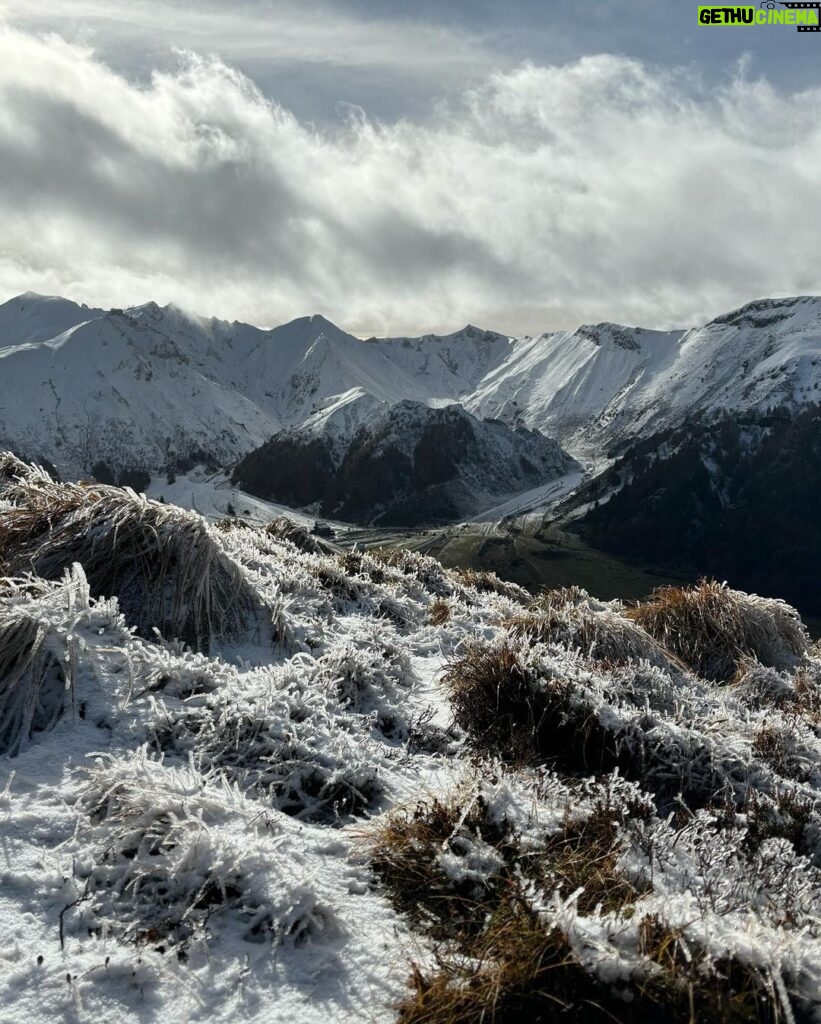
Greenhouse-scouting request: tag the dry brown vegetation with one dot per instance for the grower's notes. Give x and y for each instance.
(489, 583)
(439, 612)
(571, 618)
(713, 628)
(520, 970)
(161, 562)
(285, 528)
(32, 680)
(507, 711)
(404, 855)
(497, 957)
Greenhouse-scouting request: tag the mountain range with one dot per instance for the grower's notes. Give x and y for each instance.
(154, 389)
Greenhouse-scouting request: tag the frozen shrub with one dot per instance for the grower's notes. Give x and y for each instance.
(285, 528)
(229, 523)
(16, 474)
(396, 612)
(490, 583)
(445, 862)
(278, 742)
(511, 709)
(32, 680)
(540, 706)
(371, 682)
(712, 628)
(36, 669)
(173, 857)
(336, 582)
(538, 921)
(161, 562)
(426, 570)
(571, 618)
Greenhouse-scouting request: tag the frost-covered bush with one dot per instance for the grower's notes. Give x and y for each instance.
(33, 683)
(15, 474)
(580, 898)
(598, 630)
(40, 645)
(162, 563)
(285, 528)
(490, 583)
(371, 679)
(278, 738)
(172, 855)
(424, 569)
(678, 737)
(713, 628)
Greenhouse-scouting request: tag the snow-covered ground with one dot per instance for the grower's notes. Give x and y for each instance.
(214, 496)
(338, 721)
(534, 502)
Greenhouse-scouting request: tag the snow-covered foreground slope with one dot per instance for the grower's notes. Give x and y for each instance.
(157, 868)
(153, 387)
(229, 832)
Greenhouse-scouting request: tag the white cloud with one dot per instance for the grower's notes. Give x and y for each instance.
(547, 195)
(289, 31)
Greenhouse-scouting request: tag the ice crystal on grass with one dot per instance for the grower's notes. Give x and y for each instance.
(174, 854)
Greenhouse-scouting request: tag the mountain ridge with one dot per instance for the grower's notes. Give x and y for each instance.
(153, 387)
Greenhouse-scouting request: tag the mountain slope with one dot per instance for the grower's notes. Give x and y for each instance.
(572, 384)
(143, 389)
(404, 464)
(736, 498)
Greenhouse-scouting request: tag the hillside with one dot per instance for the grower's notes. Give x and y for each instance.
(734, 497)
(362, 787)
(405, 464)
(598, 388)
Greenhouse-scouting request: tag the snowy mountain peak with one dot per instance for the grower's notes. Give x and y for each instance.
(31, 318)
(615, 334)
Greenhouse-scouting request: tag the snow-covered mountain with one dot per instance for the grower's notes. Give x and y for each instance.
(603, 384)
(151, 387)
(403, 464)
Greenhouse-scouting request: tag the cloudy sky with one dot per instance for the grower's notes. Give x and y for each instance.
(521, 164)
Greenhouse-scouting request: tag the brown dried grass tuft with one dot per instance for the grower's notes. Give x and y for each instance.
(161, 562)
(439, 612)
(712, 628)
(507, 713)
(285, 528)
(571, 618)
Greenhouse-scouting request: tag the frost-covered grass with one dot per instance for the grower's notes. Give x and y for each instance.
(421, 797)
(166, 568)
(713, 628)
